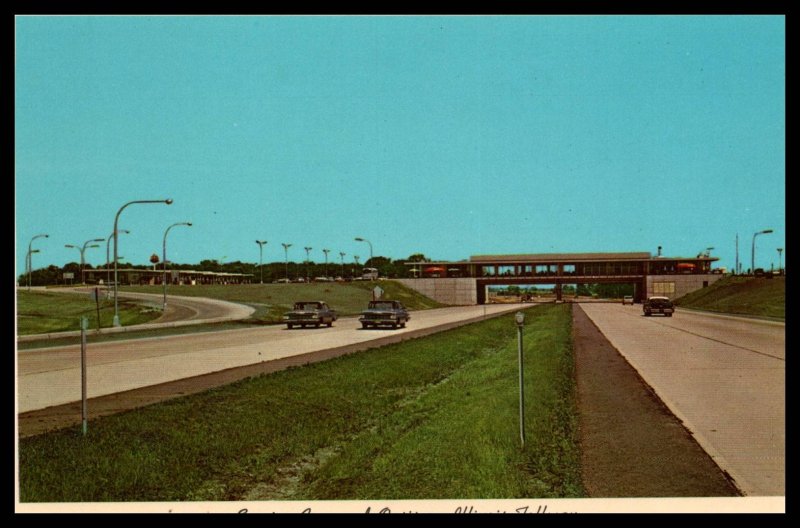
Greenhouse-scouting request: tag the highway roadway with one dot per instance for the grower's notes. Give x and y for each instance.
(51, 376)
(724, 377)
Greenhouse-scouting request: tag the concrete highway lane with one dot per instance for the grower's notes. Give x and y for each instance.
(724, 377)
(51, 376)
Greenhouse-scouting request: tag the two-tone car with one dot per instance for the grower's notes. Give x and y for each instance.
(384, 313)
(658, 305)
(310, 313)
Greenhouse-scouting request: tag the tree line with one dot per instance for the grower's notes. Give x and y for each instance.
(272, 271)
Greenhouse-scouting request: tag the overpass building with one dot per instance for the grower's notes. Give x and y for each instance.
(466, 282)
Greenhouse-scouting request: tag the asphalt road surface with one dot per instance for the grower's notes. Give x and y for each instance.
(51, 376)
(724, 377)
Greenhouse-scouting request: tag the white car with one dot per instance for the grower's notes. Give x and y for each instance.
(628, 299)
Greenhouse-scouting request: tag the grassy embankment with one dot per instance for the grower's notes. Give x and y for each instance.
(742, 296)
(40, 312)
(429, 418)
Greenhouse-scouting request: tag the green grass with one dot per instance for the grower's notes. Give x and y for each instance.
(273, 300)
(429, 418)
(40, 312)
(741, 295)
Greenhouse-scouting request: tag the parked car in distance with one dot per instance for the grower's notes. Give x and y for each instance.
(660, 305)
(323, 279)
(628, 299)
(383, 313)
(310, 313)
(281, 281)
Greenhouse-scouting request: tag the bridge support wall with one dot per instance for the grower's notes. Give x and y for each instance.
(674, 286)
(458, 292)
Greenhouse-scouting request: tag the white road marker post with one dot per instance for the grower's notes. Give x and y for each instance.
(84, 409)
(520, 318)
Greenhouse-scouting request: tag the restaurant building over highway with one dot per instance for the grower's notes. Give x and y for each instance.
(466, 282)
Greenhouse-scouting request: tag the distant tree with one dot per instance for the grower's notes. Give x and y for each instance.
(209, 265)
(418, 257)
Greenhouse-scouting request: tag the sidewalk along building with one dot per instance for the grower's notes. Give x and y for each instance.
(466, 282)
(177, 276)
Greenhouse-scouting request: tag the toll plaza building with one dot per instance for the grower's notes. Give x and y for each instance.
(467, 282)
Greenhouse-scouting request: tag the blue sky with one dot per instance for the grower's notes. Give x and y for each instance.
(449, 136)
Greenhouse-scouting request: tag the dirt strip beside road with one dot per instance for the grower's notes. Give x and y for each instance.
(632, 445)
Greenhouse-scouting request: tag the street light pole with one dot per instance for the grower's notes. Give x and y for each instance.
(286, 257)
(308, 249)
(29, 264)
(359, 239)
(342, 254)
(261, 258)
(780, 254)
(753, 250)
(168, 201)
(326, 251)
(520, 319)
(29, 258)
(164, 258)
(82, 250)
(108, 257)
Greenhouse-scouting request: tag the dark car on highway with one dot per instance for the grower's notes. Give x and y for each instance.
(660, 305)
(386, 313)
(310, 313)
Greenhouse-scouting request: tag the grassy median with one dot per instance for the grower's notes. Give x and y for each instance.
(434, 417)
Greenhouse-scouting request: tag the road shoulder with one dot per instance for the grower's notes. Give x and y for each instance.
(632, 445)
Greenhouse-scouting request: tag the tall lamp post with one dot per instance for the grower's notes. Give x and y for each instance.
(164, 257)
(261, 258)
(29, 259)
(359, 239)
(83, 251)
(308, 249)
(753, 250)
(520, 320)
(286, 257)
(326, 251)
(108, 257)
(168, 201)
(355, 258)
(780, 267)
(342, 254)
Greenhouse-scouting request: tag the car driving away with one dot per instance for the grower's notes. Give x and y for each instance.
(628, 299)
(310, 313)
(660, 305)
(384, 313)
